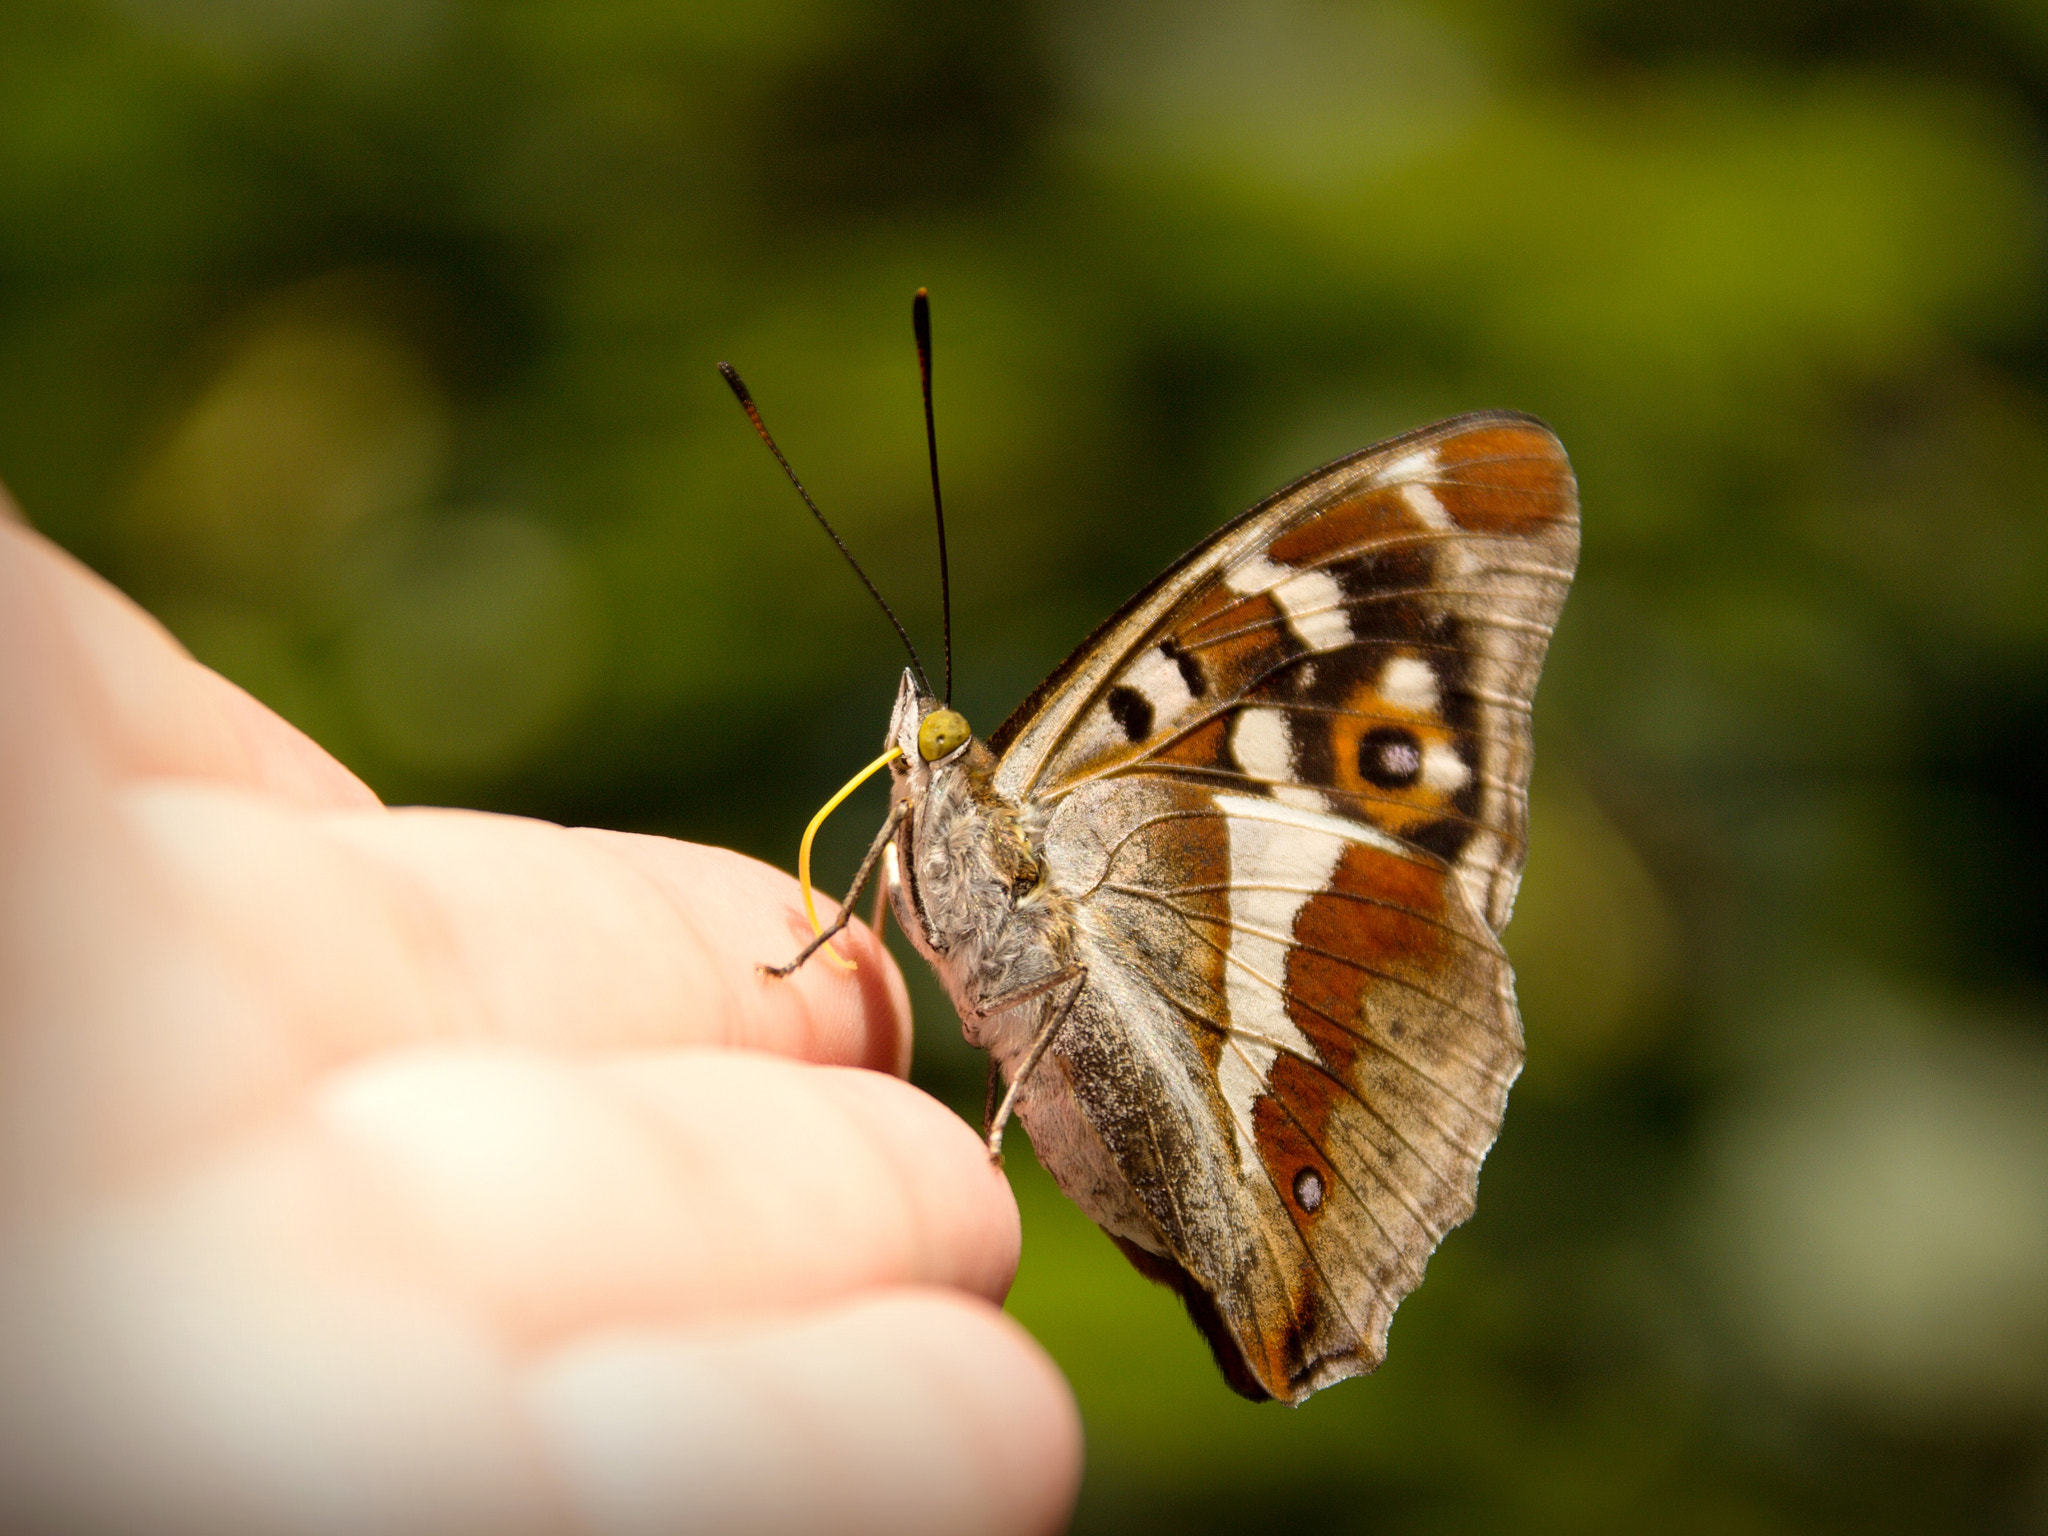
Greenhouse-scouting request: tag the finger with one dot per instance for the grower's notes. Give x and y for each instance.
(374, 928)
(898, 1413)
(552, 1196)
(162, 712)
(609, 938)
(756, 918)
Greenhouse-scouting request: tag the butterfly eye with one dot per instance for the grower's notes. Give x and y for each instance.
(942, 731)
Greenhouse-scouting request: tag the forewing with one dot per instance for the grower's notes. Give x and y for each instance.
(1366, 642)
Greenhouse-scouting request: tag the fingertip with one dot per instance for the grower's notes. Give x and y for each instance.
(866, 993)
(878, 982)
(748, 915)
(1001, 1382)
(938, 1154)
(828, 1178)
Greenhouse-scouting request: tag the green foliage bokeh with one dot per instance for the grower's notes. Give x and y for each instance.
(369, 343)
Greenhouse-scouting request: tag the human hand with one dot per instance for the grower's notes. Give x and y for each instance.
(417, 1170)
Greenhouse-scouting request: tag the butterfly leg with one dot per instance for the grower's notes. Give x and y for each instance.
(1074, 978)
(861, 877)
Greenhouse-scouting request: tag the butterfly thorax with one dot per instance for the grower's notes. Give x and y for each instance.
(971, 889)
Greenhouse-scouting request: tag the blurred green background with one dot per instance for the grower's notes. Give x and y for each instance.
(370, 344)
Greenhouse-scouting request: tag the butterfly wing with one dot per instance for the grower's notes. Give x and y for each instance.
(1286, 787)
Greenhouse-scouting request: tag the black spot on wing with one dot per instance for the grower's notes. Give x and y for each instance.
(1446, 839)
(1132, 711)
(1389, 757)
(1190, 668)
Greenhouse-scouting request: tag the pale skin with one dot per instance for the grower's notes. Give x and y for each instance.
(417, 1170)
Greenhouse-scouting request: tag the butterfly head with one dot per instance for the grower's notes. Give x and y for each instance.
(925, 730)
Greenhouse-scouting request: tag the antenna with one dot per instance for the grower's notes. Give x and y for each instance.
(746, 400)
(921, 323)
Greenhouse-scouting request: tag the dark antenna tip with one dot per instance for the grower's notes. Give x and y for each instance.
(921, 325)
(732, 378)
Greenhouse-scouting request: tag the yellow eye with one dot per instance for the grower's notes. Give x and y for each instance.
(943, 731)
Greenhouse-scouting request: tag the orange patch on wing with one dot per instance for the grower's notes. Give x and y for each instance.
(1206, 747)
(1380, 921)
(1188, 858)
(1279, 1353)
(1191, 850)
(1233, 638)
(1503, 480)
(1344, 529)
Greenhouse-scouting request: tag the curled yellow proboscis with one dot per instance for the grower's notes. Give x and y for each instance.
(803, 852)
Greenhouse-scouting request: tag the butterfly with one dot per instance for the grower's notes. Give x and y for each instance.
(1223, 898)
